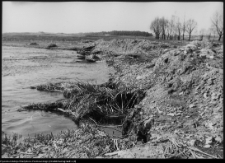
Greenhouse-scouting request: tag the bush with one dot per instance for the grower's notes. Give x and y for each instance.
(33, 43)
(52, 45)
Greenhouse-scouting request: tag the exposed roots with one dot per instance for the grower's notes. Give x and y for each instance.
(106, 103)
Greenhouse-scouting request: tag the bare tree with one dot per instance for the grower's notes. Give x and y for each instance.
(209, 33)
(171, 28)
(163, 25)
(212, 32)
(201, 34)
(217, 23)
(209, 36)
(178, 28)
(155, 26)
(190, 26)
(183, 27)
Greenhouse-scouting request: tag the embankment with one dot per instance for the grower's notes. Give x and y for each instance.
(170, 97)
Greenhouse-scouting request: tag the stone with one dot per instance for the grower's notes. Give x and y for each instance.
(205, 95)
(192, 105)
(192, 142)
(218, 139)
(208, 53)
(207, 146)
(166, 50)
(214, 96)
(208, 140)
(171, 114)
(181, 93)
(210, 56)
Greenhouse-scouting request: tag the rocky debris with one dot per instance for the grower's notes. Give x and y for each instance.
(87, 55)
(208, 53)
(128, 46)
(145, 151)
(92, 58)
(86, 50)
(184, 90)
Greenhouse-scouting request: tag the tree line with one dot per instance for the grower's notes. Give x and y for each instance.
(120, 33)
(175, 28)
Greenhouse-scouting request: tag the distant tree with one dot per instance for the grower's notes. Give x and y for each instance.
(172, 27)
(210, 32)
(163, 26)
(201, 33)
(213, 32)
(178, 28)
(217, 24)
(155, 26)
(183, 27)
(169, 29)
(191, 24)
(120, 33)
(209, 36)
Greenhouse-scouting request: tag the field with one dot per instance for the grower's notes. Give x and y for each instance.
(73, 41)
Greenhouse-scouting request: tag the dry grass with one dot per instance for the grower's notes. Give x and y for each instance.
(105, 103)
(84, 142)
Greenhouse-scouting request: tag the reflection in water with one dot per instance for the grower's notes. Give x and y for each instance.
(25, 67)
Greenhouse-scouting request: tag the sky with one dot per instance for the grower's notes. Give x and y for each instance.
(81, 17)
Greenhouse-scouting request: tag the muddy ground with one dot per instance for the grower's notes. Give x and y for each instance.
(179, 115)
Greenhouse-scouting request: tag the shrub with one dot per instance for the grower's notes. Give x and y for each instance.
(52, 45)
(33, 43)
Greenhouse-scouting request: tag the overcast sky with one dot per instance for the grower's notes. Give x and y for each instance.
(76, 17)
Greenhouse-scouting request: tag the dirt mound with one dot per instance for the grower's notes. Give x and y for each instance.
(128, 46)
(189, 81)
(184, 92)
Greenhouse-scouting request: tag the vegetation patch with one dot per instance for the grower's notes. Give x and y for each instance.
(52, 45)
(85, 142)
(33, 43)
(105, 104)
(54, 87)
